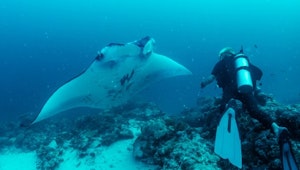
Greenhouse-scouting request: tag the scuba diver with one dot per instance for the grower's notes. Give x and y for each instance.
(237, 77)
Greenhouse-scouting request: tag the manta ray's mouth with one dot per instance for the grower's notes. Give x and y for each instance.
(118, 72)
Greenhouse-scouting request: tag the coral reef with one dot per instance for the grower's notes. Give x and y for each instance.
(183, 141)
(179, 142)
(80, 133)
(49, 156)
(174, 145)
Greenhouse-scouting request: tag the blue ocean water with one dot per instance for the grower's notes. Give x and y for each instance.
(45, 43)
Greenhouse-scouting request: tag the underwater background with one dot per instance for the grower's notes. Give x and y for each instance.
(45, 43)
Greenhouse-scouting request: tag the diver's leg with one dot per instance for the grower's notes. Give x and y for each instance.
(251, 105)
(287, 156)
(225, 98)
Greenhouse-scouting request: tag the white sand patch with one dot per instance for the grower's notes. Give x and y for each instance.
(13, 159)
(117, 156)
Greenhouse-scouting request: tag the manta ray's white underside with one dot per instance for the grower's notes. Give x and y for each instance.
(118, 72)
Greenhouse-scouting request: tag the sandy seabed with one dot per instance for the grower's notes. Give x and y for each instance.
(117, 156)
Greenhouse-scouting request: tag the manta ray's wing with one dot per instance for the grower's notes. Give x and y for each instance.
(118, 72)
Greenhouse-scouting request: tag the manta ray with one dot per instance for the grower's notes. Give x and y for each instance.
(118, 72)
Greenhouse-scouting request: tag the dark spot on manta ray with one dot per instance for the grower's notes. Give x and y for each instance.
(126, 77)
(110, 64)
(87, 99)
(111, 92)
(123, 79)
(131, 74)
(116, 94)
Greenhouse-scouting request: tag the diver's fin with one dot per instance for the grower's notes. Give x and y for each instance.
(228, 143)
(287, 157)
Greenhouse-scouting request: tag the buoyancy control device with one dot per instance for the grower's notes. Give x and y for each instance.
(243, 75)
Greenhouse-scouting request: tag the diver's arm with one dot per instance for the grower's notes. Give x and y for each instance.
(207, 81)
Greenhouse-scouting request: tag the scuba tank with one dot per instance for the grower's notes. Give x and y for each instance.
(243, 75)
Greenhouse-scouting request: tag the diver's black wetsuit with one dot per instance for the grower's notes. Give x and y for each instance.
(225, 74)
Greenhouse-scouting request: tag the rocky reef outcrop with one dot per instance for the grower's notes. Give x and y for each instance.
(173, 144)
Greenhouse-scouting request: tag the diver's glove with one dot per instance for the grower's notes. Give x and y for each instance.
(279, 130)
(260, 96)
(288, 160)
